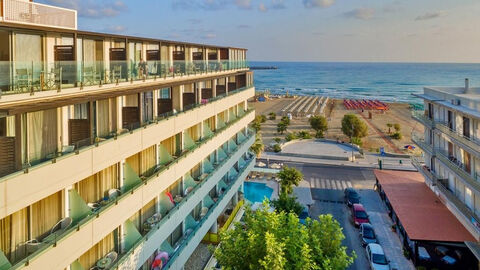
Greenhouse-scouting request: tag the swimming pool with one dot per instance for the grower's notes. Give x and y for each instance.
(256, 192)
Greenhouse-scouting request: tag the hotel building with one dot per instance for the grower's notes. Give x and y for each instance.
(451, 146)
(114, 150)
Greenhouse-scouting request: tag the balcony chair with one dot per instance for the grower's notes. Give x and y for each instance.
(22, 79)
(112, 256)
(61, 226)
(113, 193)
(89, 75)
(116, 72)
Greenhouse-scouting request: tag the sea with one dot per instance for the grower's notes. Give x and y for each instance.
(390, 82)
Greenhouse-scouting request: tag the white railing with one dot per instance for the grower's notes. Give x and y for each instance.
(17, 11)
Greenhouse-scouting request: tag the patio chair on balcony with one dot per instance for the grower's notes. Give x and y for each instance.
(22, 79)
(116, 73)
(62, 225)
(89, 75)
(113, 193)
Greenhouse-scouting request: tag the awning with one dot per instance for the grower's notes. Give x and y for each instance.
(422, 214)
(474, 247)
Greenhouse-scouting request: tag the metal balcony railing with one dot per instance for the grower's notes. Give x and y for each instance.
(425, 170)
(16, 11)
(422, 118)
(419, 140)
(462, 207)
(458, 167)
(464, 141)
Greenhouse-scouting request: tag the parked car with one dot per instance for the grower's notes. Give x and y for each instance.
(367, 234)
(359, 215)
(303, 215)
(376, 257)
(351, 196)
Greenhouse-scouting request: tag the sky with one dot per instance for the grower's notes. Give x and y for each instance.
(300, 30)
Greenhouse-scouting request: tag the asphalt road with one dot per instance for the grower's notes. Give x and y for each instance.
(327, 183)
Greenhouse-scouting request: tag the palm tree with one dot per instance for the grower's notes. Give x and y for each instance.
(258, 146)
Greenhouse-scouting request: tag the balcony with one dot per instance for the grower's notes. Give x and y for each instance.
(419, 140)
(26, 12)
(457, 203)
(423, 119)
(465, 142)
(64, 248)
(458, 168)
(426, 171)
(30, 80)
(65, 170)
(147, 246)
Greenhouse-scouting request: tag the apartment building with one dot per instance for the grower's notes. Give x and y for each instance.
(451, 146)
(114, 150)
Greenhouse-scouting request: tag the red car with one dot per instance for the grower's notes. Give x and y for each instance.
(359, 215)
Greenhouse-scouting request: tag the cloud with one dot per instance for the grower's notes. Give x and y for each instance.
(262, 7)
(430, 15)
(244, 4)
(278, 4)
(208, 36)
(91, 8)
(115, 29)
(318, 3)
(361, 13)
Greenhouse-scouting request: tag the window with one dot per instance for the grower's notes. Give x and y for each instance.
(165, 93)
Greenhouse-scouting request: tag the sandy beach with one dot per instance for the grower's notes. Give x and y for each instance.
(377, 126)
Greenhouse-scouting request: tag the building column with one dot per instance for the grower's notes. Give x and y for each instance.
(214, 228)
(214, 87)
(119, 106)
(155, 103)
(177, 98)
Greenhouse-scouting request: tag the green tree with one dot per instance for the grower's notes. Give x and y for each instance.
(389, 125)
(258, 146)
(287, 204)
(352, 126)
(286, 120)
(277, 139)
(289, 177)
(319, 124)
(277, 148)
(272, 116)
(397, 127)
(281, 127)
(276, 240)
(256, 126)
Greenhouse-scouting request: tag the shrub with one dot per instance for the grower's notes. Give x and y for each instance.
(396, 136)
(304, 135)
(290, 136)
(286, 120)
(357, 141)
(397, 127)
(272, 116)
(277, 148)
(277, 139)
(281, 127)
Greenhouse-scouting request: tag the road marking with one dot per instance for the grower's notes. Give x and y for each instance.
(339, 184)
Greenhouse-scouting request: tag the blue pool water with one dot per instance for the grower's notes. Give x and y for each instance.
(256, 192)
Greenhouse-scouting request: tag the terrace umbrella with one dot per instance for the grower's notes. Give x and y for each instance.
(275, 166)
(261, 164)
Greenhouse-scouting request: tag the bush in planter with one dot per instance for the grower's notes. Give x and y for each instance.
(277, 148)
(397, 136)
(290, 136)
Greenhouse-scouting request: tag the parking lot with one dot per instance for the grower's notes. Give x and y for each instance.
(327, 184)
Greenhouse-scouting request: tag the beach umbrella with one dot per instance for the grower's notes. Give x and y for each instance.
(409, 147)
(275, 166)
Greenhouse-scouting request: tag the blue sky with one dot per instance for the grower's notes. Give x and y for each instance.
(300, 30)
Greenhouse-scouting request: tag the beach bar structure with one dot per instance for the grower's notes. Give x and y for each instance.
(430, 233)
(116, 152)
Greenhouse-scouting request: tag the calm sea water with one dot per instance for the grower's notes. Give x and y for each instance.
(393, 82)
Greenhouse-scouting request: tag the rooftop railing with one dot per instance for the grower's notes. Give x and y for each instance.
(30, 77)
(26, 12)
(150, 175)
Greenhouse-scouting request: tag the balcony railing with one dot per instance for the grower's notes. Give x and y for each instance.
(458, 167)
(30, 77)
(450, 196)
(185, 239)
(89, 142)
(426, 171)
(26, 12)
(419, 140)
(153, 173)
(466, 142)
(422, 118)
